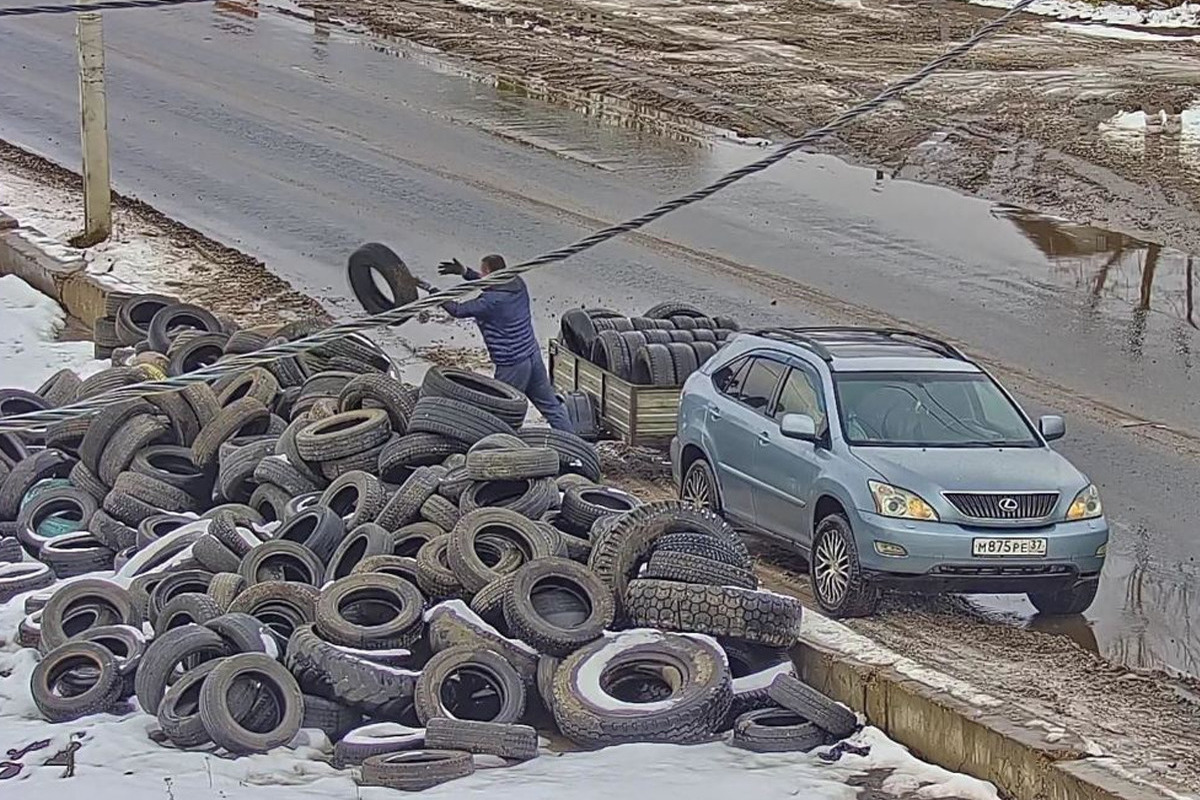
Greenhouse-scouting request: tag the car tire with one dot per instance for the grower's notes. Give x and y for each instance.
(834, 548)
(1062, 602)
(699, 487)
(380, 259)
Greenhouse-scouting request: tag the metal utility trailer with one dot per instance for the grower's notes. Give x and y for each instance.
(637, 415)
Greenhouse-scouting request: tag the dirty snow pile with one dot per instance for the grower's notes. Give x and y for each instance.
(32, 323)
(1184, 15)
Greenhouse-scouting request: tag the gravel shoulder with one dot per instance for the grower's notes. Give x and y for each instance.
(1026, 119)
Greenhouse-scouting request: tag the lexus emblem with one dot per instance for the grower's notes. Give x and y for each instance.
(1008, 505)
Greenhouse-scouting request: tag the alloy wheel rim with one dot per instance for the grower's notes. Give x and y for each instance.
(831, 568)
(696, 489)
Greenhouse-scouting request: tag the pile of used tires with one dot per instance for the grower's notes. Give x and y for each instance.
(409, 570)
(661, 348)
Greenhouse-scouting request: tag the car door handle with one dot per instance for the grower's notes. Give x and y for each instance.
(764, 438)
(713, 413)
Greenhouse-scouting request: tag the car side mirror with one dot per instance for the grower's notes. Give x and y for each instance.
(1052, 427)
(798, 426)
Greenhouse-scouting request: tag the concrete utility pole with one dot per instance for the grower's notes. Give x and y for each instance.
(93, 113)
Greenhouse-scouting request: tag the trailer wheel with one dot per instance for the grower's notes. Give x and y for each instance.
(374, 259)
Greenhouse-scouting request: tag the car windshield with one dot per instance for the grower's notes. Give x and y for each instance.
(928, 409)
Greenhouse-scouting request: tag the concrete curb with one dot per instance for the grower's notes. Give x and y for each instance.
(1026, 758)
(66, 280)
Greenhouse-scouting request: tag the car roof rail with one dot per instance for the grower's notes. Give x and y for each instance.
(921, 339)
(795, 336)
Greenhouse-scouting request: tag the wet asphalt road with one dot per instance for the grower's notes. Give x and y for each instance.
(296, 143)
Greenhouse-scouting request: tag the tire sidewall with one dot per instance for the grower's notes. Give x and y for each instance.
(836, 525)
(701, 464)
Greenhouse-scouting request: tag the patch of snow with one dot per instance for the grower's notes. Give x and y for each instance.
(1189, 136)
(1126, 121)
(270, 646)
(761, 680)
(1108, 32)
(382, 656)
(1184, 15)
(391, 732)
(31, 352)
(461, 610)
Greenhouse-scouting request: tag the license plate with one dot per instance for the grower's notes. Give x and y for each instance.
(1008, 547)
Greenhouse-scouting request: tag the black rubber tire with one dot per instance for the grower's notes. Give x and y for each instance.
(362, 542)
(320, 529)
(169, 586)
(449, 627)
(357, 497)
(375, 258)
(681, 336)
(83, 604)
(344, 435)
(575, 456)
(130, 439)
(416, 770)
(76, 554)
(10, 550)
(161, 495)
(860, 598)
(618, 552)
(404, 506)
(379, 391)
(589, 714)
(577, 332)
(277, 471)
(795, 695)
(374, 739)
(408, 541)
(127, 645)
(224, 587)
(547, 666)
(776, 730)
(270, 501)
(512, 464)
(104, 426)
(231, 527)
(173, 465)
(255, 382)
(190, 644)
(67, 435)
(464, 558)
(529, 498)
(60, 388)
(488, 602)
(673, 309)
(37, 467)
(197, 352)
(169, 320)
(128, 510)
(684, 358)
(610, 352)
(134, 316)
(62, 706)
(513, 742)
(240, 418)
(84, 479)
(245, 341)
(179, 711)
(282, 561)
(214, 555)
(487, 394)
(1072, 600)
(221, 718)
(286, 447)
(376, 689)
(402, 455)
(189, 608)
(683, 568)
(704, 351)
(759, 617)
(329, 716)
(69, 509)
(703, 546)
(108, 379)
(438, 680)
(112, 533)
(404, 567)
(302, 502)
(549, 625)
(441, 512)
(370, 611)
(434, 575)
(653, 366)
(583, 505)
(23, 577)
(282, 607)
(456, 420)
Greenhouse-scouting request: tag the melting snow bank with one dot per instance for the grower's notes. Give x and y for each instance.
(32, 323)
(1185, 15)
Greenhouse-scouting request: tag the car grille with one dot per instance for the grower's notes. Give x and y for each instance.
(1004, 571)
(1004, 506)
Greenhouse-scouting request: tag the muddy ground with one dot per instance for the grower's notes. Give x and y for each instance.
(1018, 120)
(212, 274)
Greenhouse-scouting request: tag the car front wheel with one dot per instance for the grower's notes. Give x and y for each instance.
(837, 578)
(699, 486)
(1074, 600)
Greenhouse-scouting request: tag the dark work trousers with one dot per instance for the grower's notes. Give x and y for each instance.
(530, 376)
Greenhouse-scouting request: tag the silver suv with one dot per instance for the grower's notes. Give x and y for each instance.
(890, 461)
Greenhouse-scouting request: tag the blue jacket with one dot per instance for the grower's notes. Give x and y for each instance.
(504, 318)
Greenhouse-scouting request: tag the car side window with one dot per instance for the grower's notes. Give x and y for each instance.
(726, 379)
(800, 395)
(758, 387)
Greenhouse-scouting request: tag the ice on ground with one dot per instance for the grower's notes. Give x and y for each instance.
(1184, 15)
(31, 352)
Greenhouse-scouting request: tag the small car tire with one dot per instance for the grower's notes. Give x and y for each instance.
(699, 486)
(834, 544)
(1064, 602)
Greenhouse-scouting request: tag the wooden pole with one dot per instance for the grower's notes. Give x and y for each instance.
(93, 111)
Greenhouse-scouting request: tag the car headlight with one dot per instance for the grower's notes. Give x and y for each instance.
(1086, 505)
(893, 502)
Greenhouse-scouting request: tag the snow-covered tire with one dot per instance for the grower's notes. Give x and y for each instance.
(557, 606)
(488, 394)
(683, 568)
(448, 628)
(416, 770)
(221, 718)
(190, 644)
(515, 742)
(376, 689)
(529, 498)
(279, 560)
(688, 710)
(375, 739)
(776, 730)
(62, 706)
(440, 675)
(753, 616)
(795, 695)
(574, 454)
(370, 611)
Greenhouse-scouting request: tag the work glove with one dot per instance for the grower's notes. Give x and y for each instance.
(451, 267)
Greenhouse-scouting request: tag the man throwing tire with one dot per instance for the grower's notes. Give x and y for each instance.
(505, 321)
